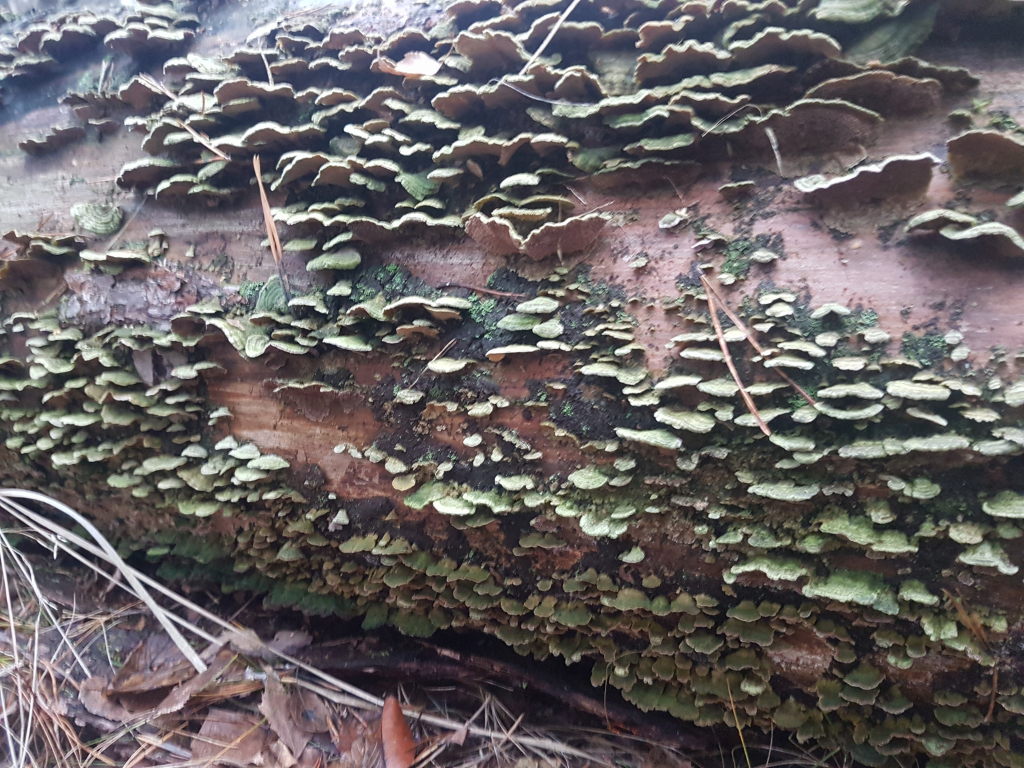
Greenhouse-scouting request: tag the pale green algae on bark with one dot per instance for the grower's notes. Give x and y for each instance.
(812, 580)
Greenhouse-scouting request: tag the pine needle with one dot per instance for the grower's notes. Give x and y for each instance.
(7, 499)
(736, 721)
(201, 139)
(735, 320)
(735, 112)
(724, 346)
(974, 626)
(444, 349)
(268, 221)
(74, 545)
(554, 30)
(198, 137)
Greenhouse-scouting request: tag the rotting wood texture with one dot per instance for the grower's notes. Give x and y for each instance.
(493, 397)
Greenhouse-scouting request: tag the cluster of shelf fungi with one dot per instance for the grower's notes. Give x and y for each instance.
(805, 563)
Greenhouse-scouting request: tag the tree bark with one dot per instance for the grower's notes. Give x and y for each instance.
(743, 444)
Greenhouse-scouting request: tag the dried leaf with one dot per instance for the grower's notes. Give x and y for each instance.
(179, 696)
(279, 709)
(228, 737)
(458, 737)
(155, 663)
(92, 693)
(310, 712)
(290, 641)
(244, 640)
(414, 64)
(399, 745)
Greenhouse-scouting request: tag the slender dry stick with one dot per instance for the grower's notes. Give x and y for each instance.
(104, 71)
(63, 538)
(156, 85)
(124, 225)
(28, 576)
(992, 699)
(17, 756)
(199, 138)
(37, 699)
(266, 66)
(734, 318)
(268, 220)
(731, 114)
(724, 346)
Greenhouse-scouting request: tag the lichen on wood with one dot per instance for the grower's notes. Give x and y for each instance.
(514, 455)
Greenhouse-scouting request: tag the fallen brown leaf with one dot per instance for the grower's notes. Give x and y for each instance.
(458, 737)
(399, 745)
(92, 693)
(289, 641)
(280, 710)
(229, 737)
(311, 713)
(179, 696)
(155, 663)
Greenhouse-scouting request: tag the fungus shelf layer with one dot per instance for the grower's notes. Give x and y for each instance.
(655, 336)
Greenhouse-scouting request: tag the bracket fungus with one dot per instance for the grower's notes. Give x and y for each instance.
(987, 154)
(899, 176)
(775, 534)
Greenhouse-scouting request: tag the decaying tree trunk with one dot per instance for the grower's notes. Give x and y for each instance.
(678, 339)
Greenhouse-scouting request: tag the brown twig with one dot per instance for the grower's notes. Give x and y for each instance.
(449, 664)
(992, 698)
(268, 221)
(969, 620)
(724, 346)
